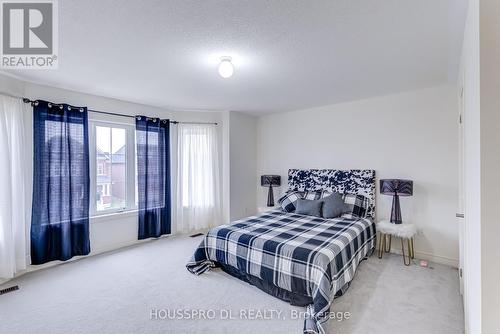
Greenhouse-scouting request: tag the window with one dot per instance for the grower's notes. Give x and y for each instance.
(198, 185)
(198, 166)
(100, 168)
(112, 150)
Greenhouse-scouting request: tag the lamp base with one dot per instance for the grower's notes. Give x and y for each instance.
(270, 197)
(396, 211)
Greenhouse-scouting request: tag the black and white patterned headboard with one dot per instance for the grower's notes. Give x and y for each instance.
(353, 181)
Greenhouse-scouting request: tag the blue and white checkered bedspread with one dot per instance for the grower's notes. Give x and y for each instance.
(308, 255)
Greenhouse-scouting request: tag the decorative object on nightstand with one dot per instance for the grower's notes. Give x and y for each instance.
(270, 181)
(406, 232)
(396, 188)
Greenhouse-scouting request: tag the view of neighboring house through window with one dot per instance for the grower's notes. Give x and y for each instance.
(113, 175)
(112, 166)
(111, 160)
(100, 168)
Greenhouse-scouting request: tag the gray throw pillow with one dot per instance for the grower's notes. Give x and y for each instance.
(333, 206)
(309, 207)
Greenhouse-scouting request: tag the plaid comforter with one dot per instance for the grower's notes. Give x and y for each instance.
(309, 255)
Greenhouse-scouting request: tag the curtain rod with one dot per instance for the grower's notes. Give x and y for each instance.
(26, 100)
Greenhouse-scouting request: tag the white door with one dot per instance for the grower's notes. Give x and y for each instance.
(461, 204)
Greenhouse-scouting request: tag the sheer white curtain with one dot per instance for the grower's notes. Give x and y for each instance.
(197, 182)
(15, 181)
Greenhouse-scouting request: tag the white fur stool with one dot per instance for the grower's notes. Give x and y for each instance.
(404, 231)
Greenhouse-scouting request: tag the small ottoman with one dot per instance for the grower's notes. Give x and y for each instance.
(406, 232)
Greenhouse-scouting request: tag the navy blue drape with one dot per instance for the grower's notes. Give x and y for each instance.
(60, 213)
(153, 176)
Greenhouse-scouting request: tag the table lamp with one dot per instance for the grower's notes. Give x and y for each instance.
(396, 188)
(270, 181)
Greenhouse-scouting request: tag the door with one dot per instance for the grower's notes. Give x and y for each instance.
(460, 216)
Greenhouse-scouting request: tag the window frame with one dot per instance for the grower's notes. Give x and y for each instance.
(130, 178)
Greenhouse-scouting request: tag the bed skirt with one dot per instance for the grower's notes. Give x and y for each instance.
(294, 299)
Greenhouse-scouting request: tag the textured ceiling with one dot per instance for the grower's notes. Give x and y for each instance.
(287, 54)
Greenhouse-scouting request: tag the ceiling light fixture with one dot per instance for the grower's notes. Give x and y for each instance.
(226, 68)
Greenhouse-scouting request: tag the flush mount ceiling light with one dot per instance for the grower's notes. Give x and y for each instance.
(226, 68)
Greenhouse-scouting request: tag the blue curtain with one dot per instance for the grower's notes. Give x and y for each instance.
(153, 176)
(60, 214)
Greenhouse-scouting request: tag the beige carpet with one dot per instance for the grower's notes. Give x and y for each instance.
(116, 293)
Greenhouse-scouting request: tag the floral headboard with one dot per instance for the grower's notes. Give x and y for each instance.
(353, 181)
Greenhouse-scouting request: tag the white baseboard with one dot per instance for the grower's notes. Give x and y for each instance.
(431, 258)
(110, 248)
(117, 246)
(120, 245)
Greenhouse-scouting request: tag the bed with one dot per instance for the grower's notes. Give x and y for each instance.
(304, 260)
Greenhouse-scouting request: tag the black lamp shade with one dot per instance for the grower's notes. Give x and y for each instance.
(270, 180)
(396, 188)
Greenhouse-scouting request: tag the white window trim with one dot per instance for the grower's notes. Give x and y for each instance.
(129, 173)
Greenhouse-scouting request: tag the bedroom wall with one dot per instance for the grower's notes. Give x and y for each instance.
(469, 80)
(410, 135)
(11, 86)
(110, 232)
(481, 82)
(490, 162)
(243, 165)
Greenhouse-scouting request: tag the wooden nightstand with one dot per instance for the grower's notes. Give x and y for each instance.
(406, 232)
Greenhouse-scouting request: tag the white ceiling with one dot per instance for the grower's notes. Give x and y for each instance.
(287, 54)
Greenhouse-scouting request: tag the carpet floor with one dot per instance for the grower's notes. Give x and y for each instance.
(146, 289)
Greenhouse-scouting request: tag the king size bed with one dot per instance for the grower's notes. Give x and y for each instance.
(302, 259)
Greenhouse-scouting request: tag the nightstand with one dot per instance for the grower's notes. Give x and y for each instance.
(262, 209)
(406, 232)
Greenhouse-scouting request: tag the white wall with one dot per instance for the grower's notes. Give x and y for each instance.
(490, 163)
(481, 82)
(117, 230)
(243, 154)
(411, 135)
(469, 80)
(11, 86)
(226, 170)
